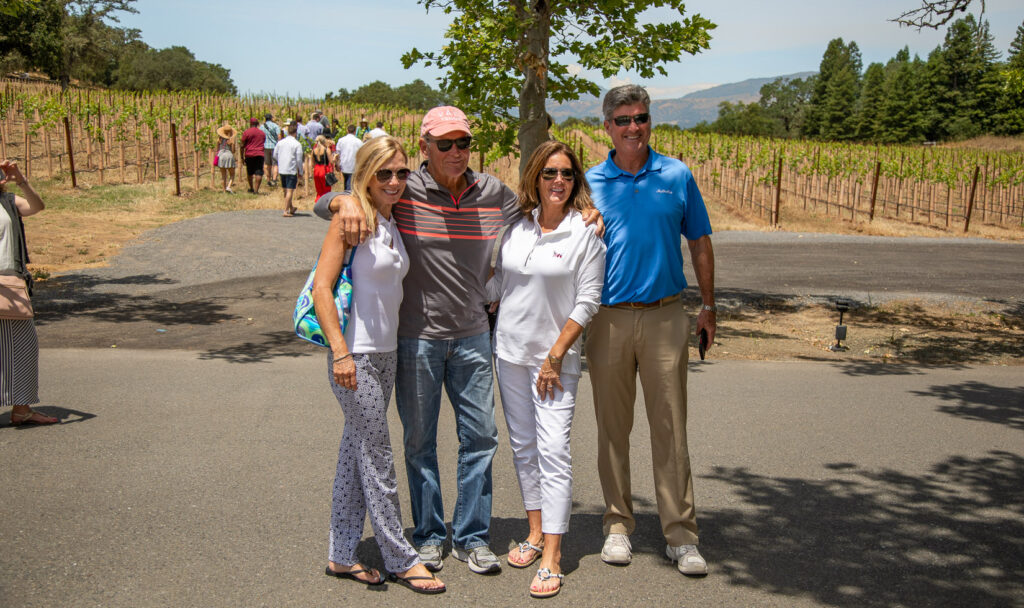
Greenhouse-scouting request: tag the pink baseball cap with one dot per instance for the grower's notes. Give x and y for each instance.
(444, 119)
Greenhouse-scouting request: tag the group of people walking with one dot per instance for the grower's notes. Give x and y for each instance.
(599, 249)
(278, 152)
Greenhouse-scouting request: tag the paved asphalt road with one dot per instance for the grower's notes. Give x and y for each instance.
(193, 466)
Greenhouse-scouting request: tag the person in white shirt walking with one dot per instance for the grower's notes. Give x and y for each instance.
(548, 279)
(377, 131)
(288, 155)
(346, 149)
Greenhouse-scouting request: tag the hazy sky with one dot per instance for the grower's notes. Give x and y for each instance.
(315, 47)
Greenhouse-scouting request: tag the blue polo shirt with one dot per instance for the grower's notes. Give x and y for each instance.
(644, 216)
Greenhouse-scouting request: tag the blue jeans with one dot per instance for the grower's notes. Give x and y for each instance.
(463, 366)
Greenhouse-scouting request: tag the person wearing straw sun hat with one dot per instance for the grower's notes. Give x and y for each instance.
(364, 128)
(225, 158)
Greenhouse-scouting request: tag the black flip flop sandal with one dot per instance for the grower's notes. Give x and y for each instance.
(351, 574)
(406, 582)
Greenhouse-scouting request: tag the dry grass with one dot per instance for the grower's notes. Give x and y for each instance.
(87, 226)
(793, 218)
(994, 143)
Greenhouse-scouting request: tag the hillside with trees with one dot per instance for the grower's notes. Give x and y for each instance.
(962, 90)
(79, 40)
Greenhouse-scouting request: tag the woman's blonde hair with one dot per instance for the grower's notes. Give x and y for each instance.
(369, 159)
(529, 192)
(321, 141)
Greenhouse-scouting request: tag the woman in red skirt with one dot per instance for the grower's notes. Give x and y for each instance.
(323, 163)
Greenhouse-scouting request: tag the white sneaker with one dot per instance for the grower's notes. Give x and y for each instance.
(617, 550)
(690, 561)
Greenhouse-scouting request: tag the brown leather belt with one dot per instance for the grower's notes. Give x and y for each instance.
(644, 305)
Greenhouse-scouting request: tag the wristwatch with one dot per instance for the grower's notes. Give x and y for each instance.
(709, 308)
(553, 359)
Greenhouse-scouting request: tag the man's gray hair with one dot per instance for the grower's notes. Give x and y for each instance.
(626, 95)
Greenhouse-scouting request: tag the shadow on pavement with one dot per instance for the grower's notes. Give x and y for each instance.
(65, 415)
(76, 296)
(983, 402)
(269, 346)
(952, 537)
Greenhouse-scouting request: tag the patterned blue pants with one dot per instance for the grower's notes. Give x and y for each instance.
(365, 481)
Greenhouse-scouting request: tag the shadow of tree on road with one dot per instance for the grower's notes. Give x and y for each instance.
(980, 401)
(74, 296)
(273, 344)
(952, 537)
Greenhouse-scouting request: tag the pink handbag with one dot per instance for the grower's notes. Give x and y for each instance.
(15, 302)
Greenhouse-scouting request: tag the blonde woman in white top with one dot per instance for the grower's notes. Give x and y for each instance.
(361, 368)
(548, 279)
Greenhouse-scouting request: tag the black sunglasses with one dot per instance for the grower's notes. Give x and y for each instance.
(446, 144)
(639, 119)
(550, 173)
(384, 175)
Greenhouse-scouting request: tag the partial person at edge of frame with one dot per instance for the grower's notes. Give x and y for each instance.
(19, 344)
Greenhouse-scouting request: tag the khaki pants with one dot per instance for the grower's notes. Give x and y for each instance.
(653, 342)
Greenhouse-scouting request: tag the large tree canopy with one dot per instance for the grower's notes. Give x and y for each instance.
(502, 55)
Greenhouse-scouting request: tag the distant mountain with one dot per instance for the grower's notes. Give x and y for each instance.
(684, 111)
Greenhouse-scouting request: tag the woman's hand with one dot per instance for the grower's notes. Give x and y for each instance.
(11, 172)
(549, 378)
(345, 372)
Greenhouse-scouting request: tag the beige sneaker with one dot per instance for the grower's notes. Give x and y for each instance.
(617, 550)
(690, 561)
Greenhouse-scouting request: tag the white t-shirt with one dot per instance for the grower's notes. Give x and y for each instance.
(543, 280)
(8, 244)
(347, 148)
(378, 267)
(376, 132)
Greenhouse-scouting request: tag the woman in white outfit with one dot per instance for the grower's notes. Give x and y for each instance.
(548, 279)
(361, 367)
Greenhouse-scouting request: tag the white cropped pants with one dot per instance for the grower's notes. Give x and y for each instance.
(539, 433)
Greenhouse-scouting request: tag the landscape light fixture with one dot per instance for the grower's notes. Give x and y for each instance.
(842, 306)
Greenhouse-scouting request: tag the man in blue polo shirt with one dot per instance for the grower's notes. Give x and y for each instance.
(649, 202)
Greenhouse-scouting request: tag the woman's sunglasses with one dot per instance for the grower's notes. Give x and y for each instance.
(446, 144)
(639, 119)
(550, 173)
(384, 175)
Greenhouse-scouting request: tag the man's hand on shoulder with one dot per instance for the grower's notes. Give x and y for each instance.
(593, 216)
(352, 219)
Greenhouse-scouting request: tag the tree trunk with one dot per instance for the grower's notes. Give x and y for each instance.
(533, 62)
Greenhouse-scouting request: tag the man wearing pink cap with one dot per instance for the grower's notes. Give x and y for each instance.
(449, 217)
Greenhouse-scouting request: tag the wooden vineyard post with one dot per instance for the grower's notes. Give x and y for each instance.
(71, 153)
(28, 150)
(195, 140)
(970, 201)
(874, 191)
(481, 161)
(138, 151)
(103, 156)
(778, 194)
(174, 156)
(123, 162)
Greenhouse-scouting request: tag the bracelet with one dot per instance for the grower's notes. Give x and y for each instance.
(710, 308)
(343, 357)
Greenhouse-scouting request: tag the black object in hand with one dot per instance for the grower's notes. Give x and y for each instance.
(702, 344)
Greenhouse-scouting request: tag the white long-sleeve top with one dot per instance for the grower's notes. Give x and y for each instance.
(543, 280)
(288, 154)
(378, 267)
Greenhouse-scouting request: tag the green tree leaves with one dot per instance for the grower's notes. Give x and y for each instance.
(499, 56)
